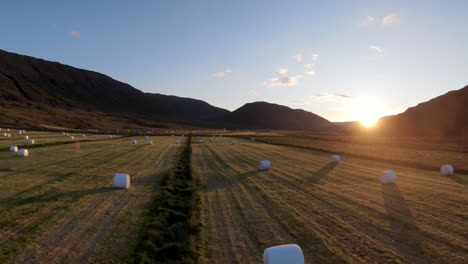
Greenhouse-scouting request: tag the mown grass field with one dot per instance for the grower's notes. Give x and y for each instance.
(209, 203)
(57, 205)
(337, 213)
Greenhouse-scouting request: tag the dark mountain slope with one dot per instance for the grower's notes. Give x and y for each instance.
(262, 115)
(446, 115)
(27, 80)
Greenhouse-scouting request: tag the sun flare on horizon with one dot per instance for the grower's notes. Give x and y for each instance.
(368, 112)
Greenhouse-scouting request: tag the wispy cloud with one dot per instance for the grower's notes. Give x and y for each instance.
(297, 57)
(376, 48)
(309, 69)
(283, 81)
(390, 19)
(282, 71)
(331, 97)
(315, 56)
(369, 20)
(74, 33)
(221, 74)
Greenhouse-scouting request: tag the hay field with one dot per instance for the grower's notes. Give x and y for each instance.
(57, 205)
(337, 213)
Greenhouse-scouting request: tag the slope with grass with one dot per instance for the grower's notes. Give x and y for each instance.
(336, 212)
(57, 205)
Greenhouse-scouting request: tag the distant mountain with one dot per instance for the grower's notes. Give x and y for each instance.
(446, 115)
(27, 81)
(262, 115)
(36, 92)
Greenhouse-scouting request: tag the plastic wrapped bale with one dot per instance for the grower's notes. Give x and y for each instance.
(23, 153)
(176, 141)
(121, 181)
(110, 136)
(13, 149)
(5, 134)
(146, 137)
(8, 135)
(71, 137)
(63, 133)
(26, 137)
(253, 139)
(446, 169)
(150, 142)
(83, 135)
(20, 132)
(388, 177)
(335, 158)
(31, 141)
(211, 139)
(265, 165)
(233, 142)
(284, 254)
(200, 141)
(133, 141)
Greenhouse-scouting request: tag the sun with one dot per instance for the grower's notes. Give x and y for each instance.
(368, 111)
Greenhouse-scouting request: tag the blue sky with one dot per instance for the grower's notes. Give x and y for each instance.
(339, 59)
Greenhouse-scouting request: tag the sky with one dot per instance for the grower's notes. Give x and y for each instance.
(340, 59)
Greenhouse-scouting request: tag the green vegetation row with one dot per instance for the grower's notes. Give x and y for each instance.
(170, 227)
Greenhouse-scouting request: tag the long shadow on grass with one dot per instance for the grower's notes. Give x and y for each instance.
(322, 173)
(404, 232)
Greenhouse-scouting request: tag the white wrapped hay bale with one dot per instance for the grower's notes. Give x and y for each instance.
(26, 137)
(446, 169)
(284, 254)
(5, 134)
(265, 165)
(150, 142)
(388, 177)
(71, 137)
(133, 141)
(146, 137)
(211, 139)
(23, 153)
(63, 133)
(8, 135)
(121, 181)
(13, 149)
(110, 136)
(252, 139)
(335, 158)
(31, 141)
(20, 132)
(233, 142)
(199, 141)
(176, 141)
(83, 135)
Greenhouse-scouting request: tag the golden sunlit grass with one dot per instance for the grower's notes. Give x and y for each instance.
(337, 213)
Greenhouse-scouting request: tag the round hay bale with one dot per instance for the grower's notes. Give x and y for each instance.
(133, 141)
(63, 133)
(31, 141)
(13, 149)
(150, 142)
(8, 135)
(446, 169)
(252, 139)
(200, 141)
(110, 136)
(335, 158)
(146, 137)
(176, 141)
(233, 142)
(388, 177)
(20, 132)
(23, 153)
(265, 165)
(121, 181)
(83, 135)
(25, 137)
(71, 137)
(211, 139)
(291, 254)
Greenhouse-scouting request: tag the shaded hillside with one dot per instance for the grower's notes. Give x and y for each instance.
(27, 81)
(262, 115)
(446, 115)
